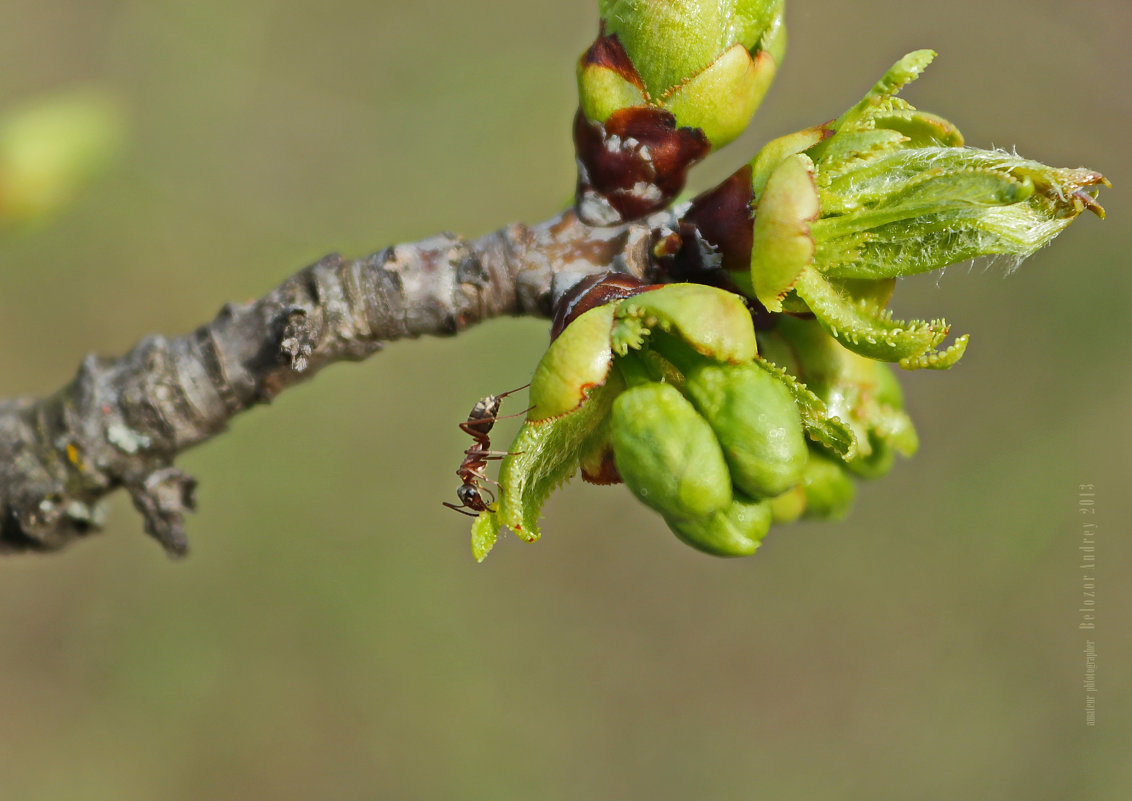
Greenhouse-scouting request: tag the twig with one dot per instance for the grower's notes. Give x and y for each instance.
(121, 422)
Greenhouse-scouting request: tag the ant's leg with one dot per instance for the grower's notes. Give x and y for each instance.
(509, 416)
(494, 456)
(478, 436)
(459, 509)
(481, 436)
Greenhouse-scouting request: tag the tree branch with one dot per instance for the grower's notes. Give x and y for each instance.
(121, 422)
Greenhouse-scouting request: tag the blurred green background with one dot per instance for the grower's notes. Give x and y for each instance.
(331, 637)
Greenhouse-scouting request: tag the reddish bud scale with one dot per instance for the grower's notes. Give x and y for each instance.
(714, 236)
(590, 292)
(594, 291)
(607, 51)
(634, 164)
(714, 241)
(603, 472)
(724, 221)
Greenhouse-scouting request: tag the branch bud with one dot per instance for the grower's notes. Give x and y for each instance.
(667, 454)
(828, 489)
(664, 83)
(736, 530)
(757, 423)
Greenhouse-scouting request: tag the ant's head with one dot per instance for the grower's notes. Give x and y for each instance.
(470, 497)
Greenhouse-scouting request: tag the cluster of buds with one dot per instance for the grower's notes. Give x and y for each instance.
(751, 385)
(664, 84)
(662, 387)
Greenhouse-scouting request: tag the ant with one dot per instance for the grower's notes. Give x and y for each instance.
(478, 426)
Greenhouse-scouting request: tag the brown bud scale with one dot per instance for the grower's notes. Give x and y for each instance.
(634, 164)
(591, 292)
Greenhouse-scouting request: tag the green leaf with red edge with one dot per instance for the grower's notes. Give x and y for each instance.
(544, 454)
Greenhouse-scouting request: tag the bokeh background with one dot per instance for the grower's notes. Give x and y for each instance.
(330, 637)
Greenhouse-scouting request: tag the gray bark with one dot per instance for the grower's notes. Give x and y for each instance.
(121, 422)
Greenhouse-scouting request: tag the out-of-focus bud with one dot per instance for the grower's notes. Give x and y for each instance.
(664, 83)
(828, 488)
(50, 148)
(860, 392)
(789, 506)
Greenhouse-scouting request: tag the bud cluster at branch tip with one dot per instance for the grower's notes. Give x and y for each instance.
(664, 83)
(750, 386)
(663, 388)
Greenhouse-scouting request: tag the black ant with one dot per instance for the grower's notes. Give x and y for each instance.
(478, 426)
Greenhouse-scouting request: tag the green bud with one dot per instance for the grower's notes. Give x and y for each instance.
(757, 423)
(708, 62)
(789, 506)
(860, 392)
(782, 246)
(577, 361)
(828, 487)
(734, 531)
(603, 91)
(900, 195)
(571, 423)
(667, 454)
(721, 100)
(664, 83)
(884, 191)
(713, 322)
(50, 148)
(671, 40)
